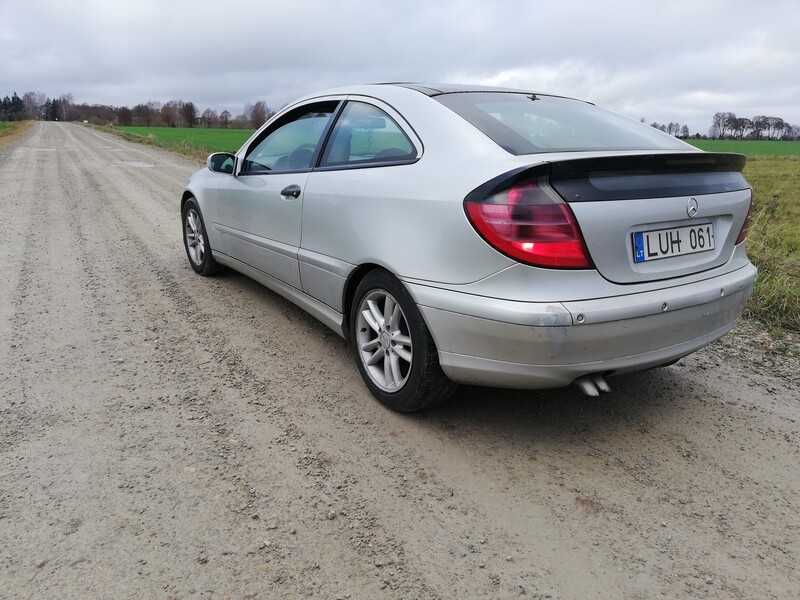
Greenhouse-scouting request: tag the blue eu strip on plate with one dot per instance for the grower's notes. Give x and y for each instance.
(638, 247)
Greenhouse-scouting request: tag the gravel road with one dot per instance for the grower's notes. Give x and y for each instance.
(164, 435)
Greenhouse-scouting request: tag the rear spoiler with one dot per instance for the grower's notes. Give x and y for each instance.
(630, 177)
(647, 176)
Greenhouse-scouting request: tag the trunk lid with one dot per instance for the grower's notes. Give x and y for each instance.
(647, 217)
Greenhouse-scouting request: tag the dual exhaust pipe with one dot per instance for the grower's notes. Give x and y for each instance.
(592, 385)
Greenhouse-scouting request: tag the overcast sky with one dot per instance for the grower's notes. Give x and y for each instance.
(663, 60)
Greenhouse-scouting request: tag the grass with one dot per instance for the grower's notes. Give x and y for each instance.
(13, 131)
(773, 169)
(196, 142)
(774, 240)
(749, 147)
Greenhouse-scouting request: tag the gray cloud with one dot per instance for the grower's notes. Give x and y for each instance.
(664, 61)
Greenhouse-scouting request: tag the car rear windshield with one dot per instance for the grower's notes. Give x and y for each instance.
(531, 123)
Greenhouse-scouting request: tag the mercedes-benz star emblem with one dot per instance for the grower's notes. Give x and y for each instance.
(691, 207)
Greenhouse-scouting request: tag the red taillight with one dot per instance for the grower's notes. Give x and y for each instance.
(531, 224)
(746, 225)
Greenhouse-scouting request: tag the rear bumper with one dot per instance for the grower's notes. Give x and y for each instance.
(493, 342)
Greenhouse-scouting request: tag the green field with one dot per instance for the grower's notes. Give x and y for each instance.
(749, 147)
(195, 141)
(774, 241)
(773, 169)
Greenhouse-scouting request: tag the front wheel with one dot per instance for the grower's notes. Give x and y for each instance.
(394, 350)
(198, 250)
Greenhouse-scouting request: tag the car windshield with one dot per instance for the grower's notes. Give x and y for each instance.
(530, 123)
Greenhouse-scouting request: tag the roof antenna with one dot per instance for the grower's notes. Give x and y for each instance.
(533, 97)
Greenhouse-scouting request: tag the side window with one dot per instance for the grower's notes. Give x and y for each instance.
(290, 144)
(366, 134)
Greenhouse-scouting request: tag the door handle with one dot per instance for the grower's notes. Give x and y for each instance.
(291, 191)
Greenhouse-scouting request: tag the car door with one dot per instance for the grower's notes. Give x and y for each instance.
(357, 205)
(259, 210)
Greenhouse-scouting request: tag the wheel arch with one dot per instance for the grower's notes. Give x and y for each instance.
(187, 195)
(349, 293)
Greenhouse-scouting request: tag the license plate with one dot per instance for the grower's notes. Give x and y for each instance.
(676, 241)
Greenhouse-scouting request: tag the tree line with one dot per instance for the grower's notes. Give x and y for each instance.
(35, 105)
(761, 127)
(177, 113)
(726, 125)
(676, 129)
(174, 113)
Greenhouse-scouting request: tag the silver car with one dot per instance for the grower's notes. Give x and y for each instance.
(483, 236)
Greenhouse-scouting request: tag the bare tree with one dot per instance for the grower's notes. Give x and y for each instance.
(759, 124)
(743, 125)
(720, 125)
(685, 131)
(169, 114)
(31, 104)
(259, 113)
(209, 117)
(154, 106)
(774, 126)
(225, 118)
(65, 102)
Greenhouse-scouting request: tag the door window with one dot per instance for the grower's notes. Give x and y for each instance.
(291, 143)
(366, 134)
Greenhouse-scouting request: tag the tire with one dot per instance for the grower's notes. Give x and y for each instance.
(195, 240)
(393, 348)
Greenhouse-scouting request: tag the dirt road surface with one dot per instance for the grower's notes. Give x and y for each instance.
(164, 435)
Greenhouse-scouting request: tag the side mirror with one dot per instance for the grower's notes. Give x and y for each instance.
(221, 162)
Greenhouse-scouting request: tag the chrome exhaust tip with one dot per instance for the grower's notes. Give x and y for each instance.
(592, 385)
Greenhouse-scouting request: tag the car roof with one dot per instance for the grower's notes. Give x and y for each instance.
(437, 89)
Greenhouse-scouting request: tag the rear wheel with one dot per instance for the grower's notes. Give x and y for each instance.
(394, 350)
(198, 250)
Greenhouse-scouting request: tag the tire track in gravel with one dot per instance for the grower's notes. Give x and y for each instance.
(21, 281)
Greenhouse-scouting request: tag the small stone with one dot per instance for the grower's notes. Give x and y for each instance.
(40, 563)
(709, 581)
(331, 515)
(509, 558)
(663, 523)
